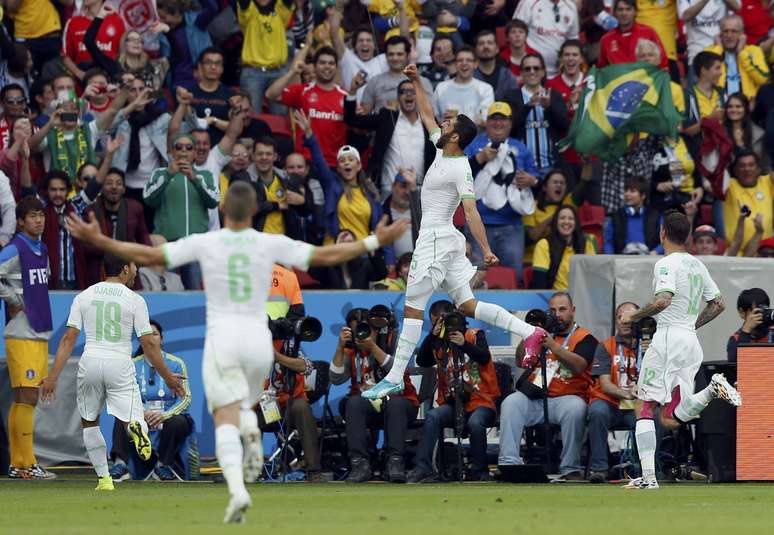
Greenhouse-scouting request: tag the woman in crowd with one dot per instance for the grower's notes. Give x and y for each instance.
(551, 263)
(357, 274)
(742, 131)
(351, 199)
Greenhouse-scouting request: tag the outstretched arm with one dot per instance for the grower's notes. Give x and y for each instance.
(713, 309)
(333, 255)
(424, 105)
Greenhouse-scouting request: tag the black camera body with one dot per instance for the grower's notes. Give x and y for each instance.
(543, 319)
(768, 317)
(361, 332)
(644, 328)
(453, 321)
(306, 329)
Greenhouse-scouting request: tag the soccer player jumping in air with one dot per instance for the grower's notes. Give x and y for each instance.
(439, 259)
(680, 282)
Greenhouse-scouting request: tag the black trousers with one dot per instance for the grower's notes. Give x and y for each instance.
(174, 432)
(360, 414)
(302, 419)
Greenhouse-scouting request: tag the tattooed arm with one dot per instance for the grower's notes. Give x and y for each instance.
(711, 311)
(660, 302)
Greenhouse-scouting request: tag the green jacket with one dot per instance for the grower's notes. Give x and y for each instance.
(181, 204)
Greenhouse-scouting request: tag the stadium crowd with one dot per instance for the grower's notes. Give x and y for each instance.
(143, 121)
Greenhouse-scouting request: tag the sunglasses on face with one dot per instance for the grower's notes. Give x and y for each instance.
(181, 146)
(15, 100)
(88, 178)
(532, 68)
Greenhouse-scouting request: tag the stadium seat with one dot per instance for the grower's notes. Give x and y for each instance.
(501, 278)
(459, 217)
(527, 276)
(306, 281)
(592, 220)
(280, 124)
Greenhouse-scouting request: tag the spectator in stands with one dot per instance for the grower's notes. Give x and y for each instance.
(298, 169)
(397, 133)
(96, 92)
(503, 172)
(363, 363)
(14, 107)
(7, 211)
(362, 57)
(357, 274)
(571, 78)
(252, 127)
(477, 392)
(702, 22)
(551, 260)
(705, 240)
(619, 44)
(75, 56)
(443, 67)
(662, 17)
(516, 32)
(752, 189)
(167, 416)
(185, 36)
(158, 278)
(540, 116)
(119, 217)
(749, 305)
(463, 94)
(550, 23)
(210, 97)
(40, 98)
(612, 395)
(381, 90)
(570, 355)
(553, 194)
(351, 199)
(744, 67)
(15, 62)
(403, 203)
(741, 129)
(491, 69)
(178, 190)
(451, 17)
(766, 248)
(321, 101)
(38, 24)
(634, 228)
(280, 206)
(397, 284)
(705, 99)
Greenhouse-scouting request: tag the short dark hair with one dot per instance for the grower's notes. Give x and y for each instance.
(157, 325)
(404, 82)
(703, 60)
(91, 73)
(744, 153)
(240, 199)
(443, 37)
(404, 260)
(676, 226)
(465, 48)
(752, 297)
(516, 23)
(536, 56)
(326, 51)
(209, 50)
(113, 265)
(37, 89)
(397, 40)
(266, 140)
(116, 171)
(571, 42)
(84, 166)
(10, 87)
(441, 307)
(638, 183)
(631, 3)
(361, 29)
(28, 204)
(55, 174)
(466, 129)
(483, 33)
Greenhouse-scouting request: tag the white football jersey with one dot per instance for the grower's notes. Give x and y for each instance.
(690, 284)
(108, 312)
(447, 181)
(236, 269)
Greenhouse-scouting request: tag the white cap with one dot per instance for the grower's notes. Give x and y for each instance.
(348, 149)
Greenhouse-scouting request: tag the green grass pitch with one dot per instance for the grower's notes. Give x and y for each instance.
(72, 507)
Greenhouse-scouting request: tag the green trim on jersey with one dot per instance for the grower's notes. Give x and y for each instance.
(167, 259)
(145, 334)
(463, 197)
(73, 326)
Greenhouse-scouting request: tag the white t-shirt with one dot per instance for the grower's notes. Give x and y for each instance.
(236, 268)
(472, 99)
(548, 29)
(700, 31)
(447, 181)
(688, 280)
(404, 150)
(108, 312)
(351, 64)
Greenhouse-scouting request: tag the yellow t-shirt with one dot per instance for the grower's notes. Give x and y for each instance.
(35, 18)
(274, 224)
(355, 215)
(661, 15)
(758, 198)
(542, 261)
(707, 104)
(264, 35)
(537, 217)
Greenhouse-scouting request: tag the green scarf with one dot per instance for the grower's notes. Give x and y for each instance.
(69, 155)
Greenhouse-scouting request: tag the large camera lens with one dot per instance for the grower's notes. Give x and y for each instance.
(308, 329)
(362, 331)
(379, 316)
(537, 318)
(454, 322)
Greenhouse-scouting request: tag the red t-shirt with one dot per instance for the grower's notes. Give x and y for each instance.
(505, 53)
(108, 37)
(757, 20)
(617, 47)
(325, 110)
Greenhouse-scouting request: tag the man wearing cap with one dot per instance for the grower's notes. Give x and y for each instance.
(504, 171)
(705, 240)
(766, 248)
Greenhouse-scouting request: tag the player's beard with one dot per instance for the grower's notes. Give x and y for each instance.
(443, 140)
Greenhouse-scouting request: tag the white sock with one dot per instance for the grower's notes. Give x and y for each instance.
(248, 422)
(645, 434)
(499, 317)
(96, 450)
(409, 338)
(691, 406)
(228, 448)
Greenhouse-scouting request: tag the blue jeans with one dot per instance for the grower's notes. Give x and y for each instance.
(256, 81)
(518, 412)
(507, 242)
(601, 417)
(442, 416)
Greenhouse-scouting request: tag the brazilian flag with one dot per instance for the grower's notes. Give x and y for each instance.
(618, 100)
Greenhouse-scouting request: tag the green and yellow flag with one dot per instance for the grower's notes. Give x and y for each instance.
(619, 100)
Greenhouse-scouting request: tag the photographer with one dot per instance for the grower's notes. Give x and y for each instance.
(362, 361)
(477, 393)
(570, 353)
(753, 307)
(611, 397)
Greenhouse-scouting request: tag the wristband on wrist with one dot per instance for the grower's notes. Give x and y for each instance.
(371, 243)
